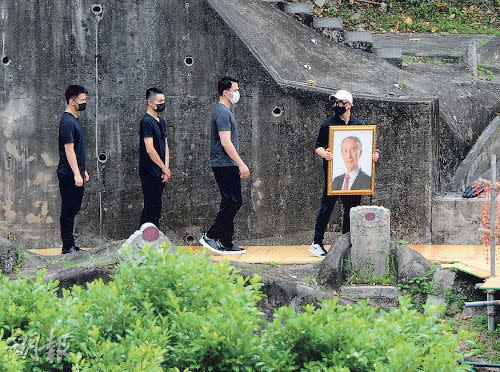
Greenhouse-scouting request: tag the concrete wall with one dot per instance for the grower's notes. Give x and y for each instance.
(51, 44)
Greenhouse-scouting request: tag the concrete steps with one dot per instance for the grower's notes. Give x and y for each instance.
(303, 11)
(330, 27)
(360, 40)
(333, 28)
(392, 55)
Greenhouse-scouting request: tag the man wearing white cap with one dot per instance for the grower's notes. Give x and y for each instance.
(342, 104)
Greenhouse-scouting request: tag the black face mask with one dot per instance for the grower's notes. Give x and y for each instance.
(160, 107)
(82, 106)
(339, 111)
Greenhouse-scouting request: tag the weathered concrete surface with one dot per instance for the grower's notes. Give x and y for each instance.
(8, 256)
(385, 297)
(430, 45)
(370, 241)
(220, 37)
(456, 220)
(477, 162)
(409, 263)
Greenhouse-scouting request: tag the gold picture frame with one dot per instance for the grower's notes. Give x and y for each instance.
(344, 142)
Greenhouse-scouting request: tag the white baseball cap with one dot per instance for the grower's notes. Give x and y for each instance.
(343, 95)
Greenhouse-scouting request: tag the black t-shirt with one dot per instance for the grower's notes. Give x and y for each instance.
(324, 131)
(158, 131)
(71, 131)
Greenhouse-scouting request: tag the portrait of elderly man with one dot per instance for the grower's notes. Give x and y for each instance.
(354, 178)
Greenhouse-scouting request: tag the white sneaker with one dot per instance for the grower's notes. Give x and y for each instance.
(318, 250)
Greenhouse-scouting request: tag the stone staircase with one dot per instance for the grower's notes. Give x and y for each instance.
(333, 28)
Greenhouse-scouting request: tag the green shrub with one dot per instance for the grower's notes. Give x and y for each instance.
(184, 313)
(340, 338)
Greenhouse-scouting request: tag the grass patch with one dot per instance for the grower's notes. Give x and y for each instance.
(427, 60)
(427, 16)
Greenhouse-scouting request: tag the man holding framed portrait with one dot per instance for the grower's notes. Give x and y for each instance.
(347, 148)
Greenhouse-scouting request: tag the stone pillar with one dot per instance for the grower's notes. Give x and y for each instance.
(370, 241)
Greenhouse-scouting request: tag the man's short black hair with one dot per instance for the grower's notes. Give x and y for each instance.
(73, 91)
(225, 84)
(152, 92)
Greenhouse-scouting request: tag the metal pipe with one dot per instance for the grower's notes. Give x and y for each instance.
(479, 364)
(482, 303)
(489, 296)
(493, 161)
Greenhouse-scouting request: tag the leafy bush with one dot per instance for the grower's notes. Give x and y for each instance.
(184, 313)
(339, 338)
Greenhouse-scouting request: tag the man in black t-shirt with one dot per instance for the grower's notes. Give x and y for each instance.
(71, 171)
(343, 103)
(154, 156)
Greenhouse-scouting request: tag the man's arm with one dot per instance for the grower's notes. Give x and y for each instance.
(225, 139)
(153, 154)
(321, 150)
(69, 149)
(168, 174)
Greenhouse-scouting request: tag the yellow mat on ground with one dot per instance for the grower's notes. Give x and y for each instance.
(48, 251)
(265, 254)
(472, 259)
(260, 254)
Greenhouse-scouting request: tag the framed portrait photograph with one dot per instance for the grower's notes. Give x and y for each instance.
(352, 170)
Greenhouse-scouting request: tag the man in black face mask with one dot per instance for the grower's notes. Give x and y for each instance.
(71, 171)
(154, 157)
(342, 104)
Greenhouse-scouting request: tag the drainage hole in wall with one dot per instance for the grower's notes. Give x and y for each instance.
(188, 61)
(190, 239)
(96, 9)
(277, 112)
(5, 60)
(102, 157)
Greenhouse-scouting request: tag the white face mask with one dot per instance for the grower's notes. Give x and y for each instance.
(235, 98)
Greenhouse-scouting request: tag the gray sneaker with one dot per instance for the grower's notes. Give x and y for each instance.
(215, 247)
(234, 249)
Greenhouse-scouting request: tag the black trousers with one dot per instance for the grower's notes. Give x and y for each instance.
(229, 182)
(152, 190)
(71, 201)
(327, 205)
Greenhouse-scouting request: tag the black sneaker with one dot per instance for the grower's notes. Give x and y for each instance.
(233, 249)
(72, 249)
(211, 244)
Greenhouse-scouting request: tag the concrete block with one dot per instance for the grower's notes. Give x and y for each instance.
(456, 220)
(330, 27)
(377, 295)
(370, 241)
(360, 40)
(303, 11)
(392, 55)
(299, 8)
